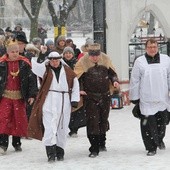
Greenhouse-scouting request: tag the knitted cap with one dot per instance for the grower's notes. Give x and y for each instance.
(18, 25)
(68, 49)
(36, 40)
(89, 41)
(49, 42)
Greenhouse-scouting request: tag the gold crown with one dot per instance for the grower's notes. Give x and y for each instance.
(11, 42)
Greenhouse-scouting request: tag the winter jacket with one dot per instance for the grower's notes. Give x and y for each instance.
(28, 83)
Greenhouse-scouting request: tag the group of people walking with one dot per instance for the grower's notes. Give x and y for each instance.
(41, 87)
(45, 89)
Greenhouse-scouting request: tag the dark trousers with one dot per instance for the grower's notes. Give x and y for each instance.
(4, 140)
(153, 130)
(96, 142)
(77, 120)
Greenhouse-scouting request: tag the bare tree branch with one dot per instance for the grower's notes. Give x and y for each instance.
(25, 9)
(52, 12)
(35, 6)
(72, 5)
(64, 12)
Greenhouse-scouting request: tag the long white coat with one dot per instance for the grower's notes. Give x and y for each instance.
(151, 84)
(54, 120)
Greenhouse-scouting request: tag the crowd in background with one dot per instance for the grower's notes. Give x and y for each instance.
(41, 47)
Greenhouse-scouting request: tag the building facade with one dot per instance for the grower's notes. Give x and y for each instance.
(122, 17)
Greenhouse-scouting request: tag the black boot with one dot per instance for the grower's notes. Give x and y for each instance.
(102, 143)
(4, 141)
(59, 153)
(3, 150)
(51, 153)
(73, 132)
(94, 148)
(16, 143)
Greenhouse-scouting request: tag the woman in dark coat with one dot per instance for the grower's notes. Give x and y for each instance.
(78, 118)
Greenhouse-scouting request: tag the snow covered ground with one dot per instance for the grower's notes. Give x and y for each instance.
(124, 145)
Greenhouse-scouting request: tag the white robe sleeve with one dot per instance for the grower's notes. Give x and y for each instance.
(75, 96)
(38, 68)
(135, 82)
(168, 75)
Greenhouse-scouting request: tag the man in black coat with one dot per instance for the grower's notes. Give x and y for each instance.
(96, 73)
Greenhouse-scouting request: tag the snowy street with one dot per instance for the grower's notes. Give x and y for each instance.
(125, 150)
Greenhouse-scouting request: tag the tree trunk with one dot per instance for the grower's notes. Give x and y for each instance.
(34, 27)
(60, 22)
(33, 15)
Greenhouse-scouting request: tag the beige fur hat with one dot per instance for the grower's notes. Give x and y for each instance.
(94, 49)
(32, 47)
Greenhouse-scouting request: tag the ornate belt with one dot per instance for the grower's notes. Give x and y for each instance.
(12, 94)
(98, 94)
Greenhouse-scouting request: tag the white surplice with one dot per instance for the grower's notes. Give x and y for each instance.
(151, 84)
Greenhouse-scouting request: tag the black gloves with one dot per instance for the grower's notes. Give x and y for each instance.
(136, 111)
(74, 104)
(135, 101)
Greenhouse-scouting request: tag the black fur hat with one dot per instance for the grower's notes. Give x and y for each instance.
(21, 37)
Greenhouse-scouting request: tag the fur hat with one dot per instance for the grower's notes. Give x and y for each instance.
(54, 54)
(94, 49)
(32, 47)
(49, 42)
(21, 37)
(68, 49)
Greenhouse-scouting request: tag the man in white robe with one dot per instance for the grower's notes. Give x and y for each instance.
(149, 87)
(57, 105)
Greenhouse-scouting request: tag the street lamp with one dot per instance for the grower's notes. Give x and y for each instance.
(154, 30)
(141, 31)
